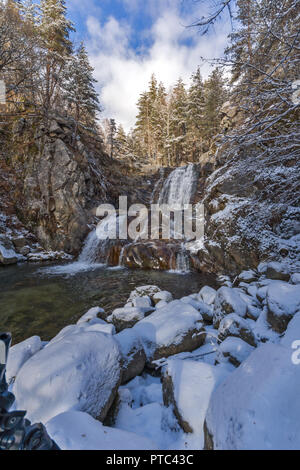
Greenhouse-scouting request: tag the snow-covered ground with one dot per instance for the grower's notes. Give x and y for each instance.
(215, 370)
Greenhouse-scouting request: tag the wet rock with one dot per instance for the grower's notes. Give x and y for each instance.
(7, 251)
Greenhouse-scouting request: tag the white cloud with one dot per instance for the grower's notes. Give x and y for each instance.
(124, 72)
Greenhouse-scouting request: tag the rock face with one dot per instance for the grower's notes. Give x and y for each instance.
(257, 406)
(60, 181)
(63, 377)
(252, 211)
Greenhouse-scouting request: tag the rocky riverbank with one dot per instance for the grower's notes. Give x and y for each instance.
(183, 374)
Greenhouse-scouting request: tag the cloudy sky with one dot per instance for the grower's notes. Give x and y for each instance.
(128, 40)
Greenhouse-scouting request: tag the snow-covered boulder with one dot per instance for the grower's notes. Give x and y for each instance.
(228, 301)
(187, 387)
(295, 278)
(292, 333)
(274, 270)
(207, 295)
(90, 315)
(161, 303)
(127, 317)
(235, 350)
(234, 325)
(248, 276)
(164, 295)
(257, 406)
(19, 354)
(283, 302)
(176, 328)
(75, 430)
(143, 301)
(133, 354)
(81, 371)
(7, 251)
(143, 291)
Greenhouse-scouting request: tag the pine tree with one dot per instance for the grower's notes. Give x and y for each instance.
(121, 143)
(54, 32)
(79, 90)
(178, 122)
(215, 96)
(195, 116)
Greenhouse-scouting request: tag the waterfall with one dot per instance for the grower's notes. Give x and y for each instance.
(178, 187)
(182, 261)
(87, 255)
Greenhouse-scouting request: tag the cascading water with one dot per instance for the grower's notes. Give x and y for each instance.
(178, 187)
(177, 191)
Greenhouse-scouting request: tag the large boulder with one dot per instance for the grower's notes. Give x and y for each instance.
(176, 328)
(234, 325)
(75, 430)
(127, 317)
(257, 406)
(187, 387)
(133, 354)
(274, 270)
(81, 371)
(283, 302)
(235, 350)
(19, 354)
(228, 301)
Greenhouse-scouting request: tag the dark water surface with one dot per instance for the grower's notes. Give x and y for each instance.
(40, 299)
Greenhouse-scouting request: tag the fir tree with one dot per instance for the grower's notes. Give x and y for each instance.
(79, 90)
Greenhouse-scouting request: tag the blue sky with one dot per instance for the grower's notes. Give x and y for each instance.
(128, 40)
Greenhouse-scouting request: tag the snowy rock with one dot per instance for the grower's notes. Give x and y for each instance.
(144, 301)
(81, 371)
(257, 406)
(253, 312)
(274, 270)
(292, 332)
(7, 252)
(248, 276)
(295, 278)
(236, 350)
(208, 295)
(143, 291)
(234, 325)
(75, 430)
(161, 303)
(283, 302)
(133, 354)
(187, 387)
(178, 327)
(19, 354)
(91, 315)
(162, 295)
(228, 301)
(127, 317)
